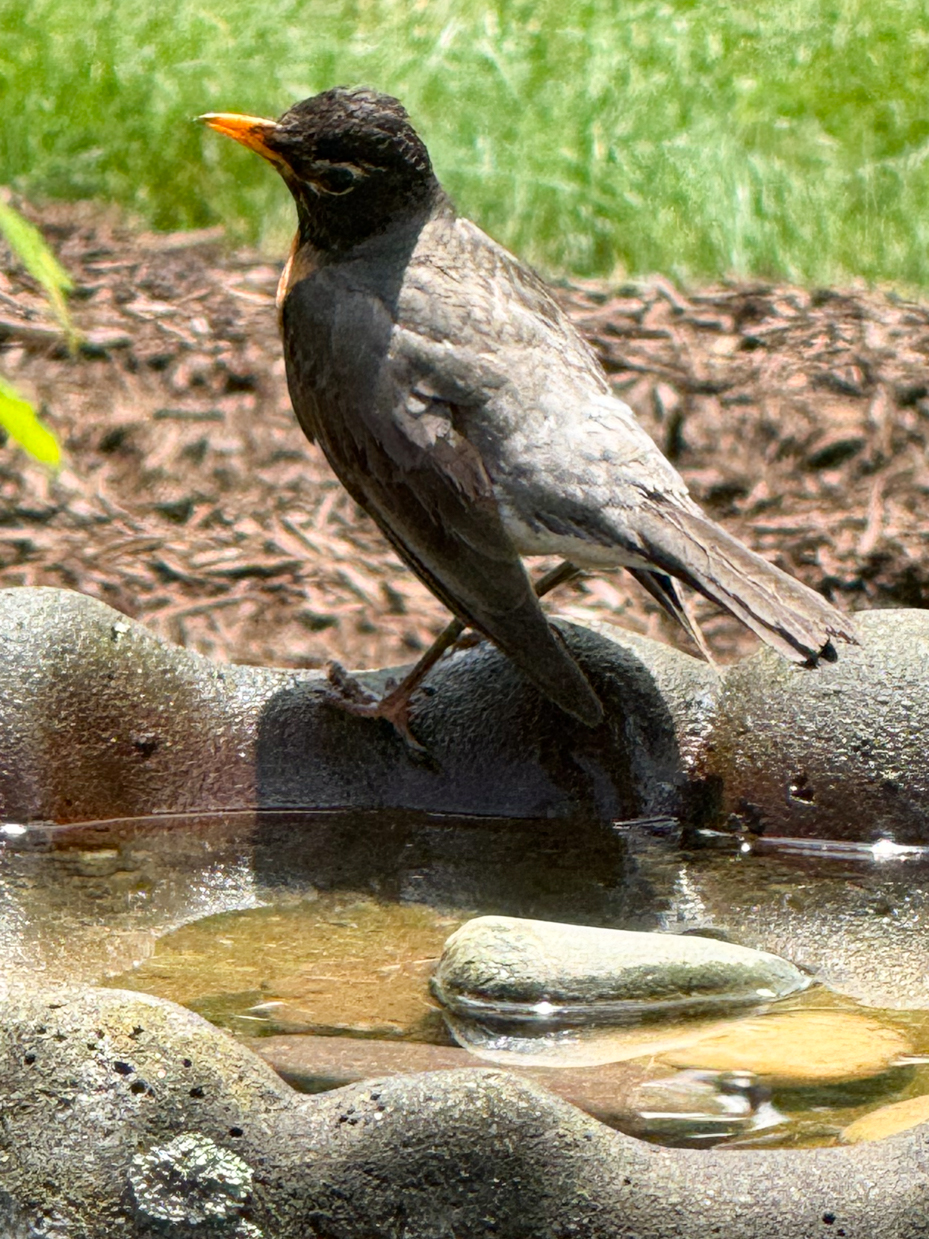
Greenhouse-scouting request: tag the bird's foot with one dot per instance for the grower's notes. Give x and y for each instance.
(468, 640)
(346, 689)
(394, 706)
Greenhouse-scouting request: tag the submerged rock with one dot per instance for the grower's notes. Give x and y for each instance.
(556, 1047)
(510, 970)
(327, 963)
(312, 1064)
(791, 1047)
(888, 1120)
(643, 1098)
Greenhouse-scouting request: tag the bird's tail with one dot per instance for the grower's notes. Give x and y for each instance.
(666, 594)
(786, 614)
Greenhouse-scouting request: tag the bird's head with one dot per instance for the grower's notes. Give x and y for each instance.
(351, 159)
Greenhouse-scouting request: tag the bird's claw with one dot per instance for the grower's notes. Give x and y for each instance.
(353, 698)
(346, 688)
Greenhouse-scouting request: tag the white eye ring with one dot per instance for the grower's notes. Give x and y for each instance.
(356, 173)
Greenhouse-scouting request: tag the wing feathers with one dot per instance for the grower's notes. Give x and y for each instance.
(393, 443)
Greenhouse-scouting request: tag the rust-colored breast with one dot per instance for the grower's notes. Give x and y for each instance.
(301, 262)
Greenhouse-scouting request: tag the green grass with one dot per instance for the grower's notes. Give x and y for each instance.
(695, 137)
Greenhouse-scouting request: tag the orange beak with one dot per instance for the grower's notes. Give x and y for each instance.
(251, 131)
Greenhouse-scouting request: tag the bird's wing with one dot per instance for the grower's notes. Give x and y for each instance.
(573, 470)
(534, 400)
(391, 437)
(565, 460)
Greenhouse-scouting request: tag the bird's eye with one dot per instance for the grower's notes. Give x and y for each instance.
(336, 178)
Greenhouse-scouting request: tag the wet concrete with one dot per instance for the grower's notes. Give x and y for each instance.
(836, 754)
(111, 1101)
(98, 719)
(855, 922)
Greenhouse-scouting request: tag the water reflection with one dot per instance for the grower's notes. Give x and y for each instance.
(182, 905)
(698, 1109)
(855, 916)
(78, 903)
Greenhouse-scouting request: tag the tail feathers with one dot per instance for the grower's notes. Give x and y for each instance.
(787, 615)
(664, 591)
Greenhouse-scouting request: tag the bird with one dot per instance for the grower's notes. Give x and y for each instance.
(461, 408)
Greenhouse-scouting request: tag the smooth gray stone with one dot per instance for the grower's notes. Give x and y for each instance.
(122, 1115)
(510, 968)
(837, 754)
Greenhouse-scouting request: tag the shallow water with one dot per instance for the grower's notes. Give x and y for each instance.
(329, 924)
(330, 963)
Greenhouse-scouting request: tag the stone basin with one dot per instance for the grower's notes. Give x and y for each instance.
(125, 1114)
(101, 719)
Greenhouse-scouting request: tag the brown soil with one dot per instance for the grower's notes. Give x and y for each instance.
(191, 501)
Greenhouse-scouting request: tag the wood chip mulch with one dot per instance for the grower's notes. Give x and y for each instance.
(191, 501)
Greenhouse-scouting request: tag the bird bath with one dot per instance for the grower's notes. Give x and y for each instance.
(184, 867)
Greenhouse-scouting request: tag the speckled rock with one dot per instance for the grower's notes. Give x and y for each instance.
(837, 754)
(99, 718)
(192, 1182)
(513, 969)
(121, 1115)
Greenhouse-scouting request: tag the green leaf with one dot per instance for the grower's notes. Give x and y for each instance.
(18, 419)
(28, 245)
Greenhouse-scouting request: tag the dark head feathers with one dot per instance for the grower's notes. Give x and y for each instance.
(361, 126)
(342, 123)
(354, 164)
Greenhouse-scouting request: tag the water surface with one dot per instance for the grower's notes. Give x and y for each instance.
(330, 924)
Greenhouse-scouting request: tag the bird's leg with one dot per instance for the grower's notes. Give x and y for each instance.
(556, 576)
(394, 705)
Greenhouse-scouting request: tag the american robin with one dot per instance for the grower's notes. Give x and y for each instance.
(463, 411)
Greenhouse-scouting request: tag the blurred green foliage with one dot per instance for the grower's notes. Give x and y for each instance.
(697, 137)
(28, 245)
(17, 416)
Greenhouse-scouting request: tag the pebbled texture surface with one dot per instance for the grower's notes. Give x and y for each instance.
(121, 1111)
(838, 753)
(98, 718)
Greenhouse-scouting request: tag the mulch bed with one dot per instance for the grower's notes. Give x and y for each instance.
(191, 501)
